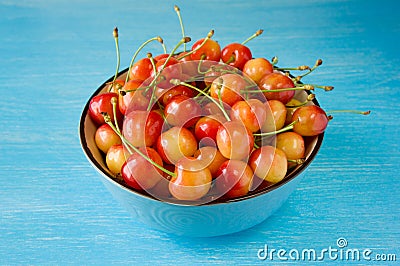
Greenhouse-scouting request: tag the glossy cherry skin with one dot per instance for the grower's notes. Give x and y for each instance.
(210, 51)
(168, 94)
(206, 129)
(252, 113)
(182, 111)
(276, 81)
(292, 144)
(141, 70)
(229, 87)
(234, 140)
(269, 163)
(105, 137)
(139, 173)
(211, 157)
(102, 104)
(171, 70)
(142, 128)
(189, 67)
(115, 158)
(237, 52)
(257, 68)
(191, 181)
(234, 179)
(133, 99)
(175, 143)
(311, 120)
(276, 116)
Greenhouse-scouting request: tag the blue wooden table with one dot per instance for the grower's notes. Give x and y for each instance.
(53, 55)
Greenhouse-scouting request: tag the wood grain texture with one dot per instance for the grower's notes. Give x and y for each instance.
(55, 210)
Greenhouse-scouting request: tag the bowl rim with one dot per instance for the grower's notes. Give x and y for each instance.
(292, 175)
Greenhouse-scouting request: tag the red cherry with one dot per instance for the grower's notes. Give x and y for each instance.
(252, 113)
(160, 56)
(142, 128)
(210, 51)
(133, 99)
(189, 66)
(139, 173)
(141, 70)
(234, 178)
(172, 69)
(236, 55)
(311, 120)
(168, 94)
(228, 87)
(234, 140)
(182, 111)
(206, 129)
(257, 68)
(276, 81)
(100, 104)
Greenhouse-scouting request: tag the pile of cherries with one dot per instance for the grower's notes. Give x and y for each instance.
(206, 123)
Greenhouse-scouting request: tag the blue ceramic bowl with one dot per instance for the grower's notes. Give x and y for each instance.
(211, 219)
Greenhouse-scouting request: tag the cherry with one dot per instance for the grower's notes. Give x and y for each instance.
(100, 104)
(189, 66)
(234, 140)
(276, 116)
(252, 113)
(269, 163)
(210, 50)
(168, 69)
(236, 55)
(292, 144)
(182, 110)
(257, 68)
(141, 70)
(228, 87)
(116, 85)
(115, 158)
(191, 181)
(142, 128)
(276, 81)
(234, 178)
(291, 107)
(105, 137)
(176, 143)
(167, 95)
(131, 98)
(136, 165)
(211, 157)
(161, 56)
(311, 120)
(206, 129)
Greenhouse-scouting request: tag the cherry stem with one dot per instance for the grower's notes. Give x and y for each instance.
(306, 87)
(209, 35)
(286, 128)
(115, 34)
(178, 82)
(107, 119)
(301, 68)
(349, 111)
(297, 161)
(178, 12)
(310, 97)
(317, 64)
(114, 105)
(258, 33)
(274, 60)
(158, 38)
(325, 88)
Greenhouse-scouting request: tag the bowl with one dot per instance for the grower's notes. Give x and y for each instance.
(211, 219)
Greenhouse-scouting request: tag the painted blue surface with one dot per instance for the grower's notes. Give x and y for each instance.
(55, 210)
